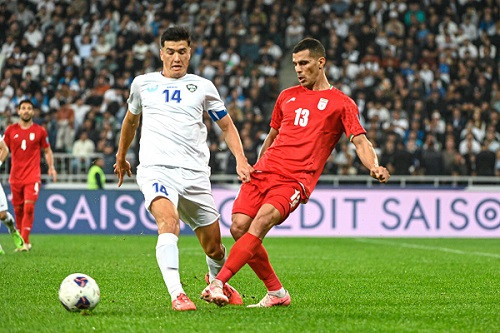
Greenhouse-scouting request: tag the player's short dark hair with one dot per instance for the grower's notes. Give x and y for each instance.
(27, 101)
(316, 49)
(176, 34)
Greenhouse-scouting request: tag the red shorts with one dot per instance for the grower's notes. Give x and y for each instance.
(24, 192)
(283, 193)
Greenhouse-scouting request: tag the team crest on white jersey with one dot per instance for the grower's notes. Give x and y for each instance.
(322, 103)
(32, 136)
(191, 87)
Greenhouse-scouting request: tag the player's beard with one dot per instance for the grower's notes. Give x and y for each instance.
(26, 119)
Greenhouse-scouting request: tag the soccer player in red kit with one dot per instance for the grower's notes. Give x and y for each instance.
(25, 141)
(307, 122)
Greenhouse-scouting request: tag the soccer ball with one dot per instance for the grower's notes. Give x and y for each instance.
(79, 292)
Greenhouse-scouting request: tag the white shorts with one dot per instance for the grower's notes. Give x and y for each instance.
(189, 191)
(3, 200)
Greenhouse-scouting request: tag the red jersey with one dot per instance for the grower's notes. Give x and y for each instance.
(25, 146)
(310, 123)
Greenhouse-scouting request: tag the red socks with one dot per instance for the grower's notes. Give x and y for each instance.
(27, 222)
(19, 213)
(249, 250)
(262, 267)
(241, 252)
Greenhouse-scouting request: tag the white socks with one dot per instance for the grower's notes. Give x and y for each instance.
(167, 256)
(214, 266)
(278, 293)
(9, 223)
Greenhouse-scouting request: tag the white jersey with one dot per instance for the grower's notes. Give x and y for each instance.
(173, 132)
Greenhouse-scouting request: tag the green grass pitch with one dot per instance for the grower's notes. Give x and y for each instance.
(336, 284)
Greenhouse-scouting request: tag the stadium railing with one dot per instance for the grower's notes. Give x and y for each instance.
(72, 173)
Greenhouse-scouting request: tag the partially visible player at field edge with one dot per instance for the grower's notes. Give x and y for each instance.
(173, 173)
(307, 122)
(5, 216)
(25, 141)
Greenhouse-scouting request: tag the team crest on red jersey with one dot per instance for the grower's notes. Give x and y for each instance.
(322, 103)
(32, 136)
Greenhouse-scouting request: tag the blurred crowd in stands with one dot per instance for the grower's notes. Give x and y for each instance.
(424, 74)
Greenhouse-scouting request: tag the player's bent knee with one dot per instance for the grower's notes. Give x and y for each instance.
(3, 215)
(29, 209)
(237, 231)
(168, 225)
(18, 209)
(214, 251)
(239, 225)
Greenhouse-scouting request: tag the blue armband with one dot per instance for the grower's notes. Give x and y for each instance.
(217, 115)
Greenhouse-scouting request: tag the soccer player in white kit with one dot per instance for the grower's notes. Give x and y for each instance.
(173, 173)
(5, 216)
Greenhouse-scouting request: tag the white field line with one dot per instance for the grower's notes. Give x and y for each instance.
(425, 247)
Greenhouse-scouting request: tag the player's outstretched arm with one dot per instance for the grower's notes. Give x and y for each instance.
(129, 127)
(368, 157)
(49, 157)
(4, 151)
(232, 138)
